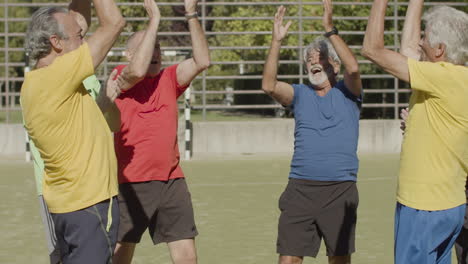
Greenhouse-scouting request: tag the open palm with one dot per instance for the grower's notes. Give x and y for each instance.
(279, 30)
(327, 19)
(190, 5)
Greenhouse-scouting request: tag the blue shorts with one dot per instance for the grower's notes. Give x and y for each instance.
(426, 236)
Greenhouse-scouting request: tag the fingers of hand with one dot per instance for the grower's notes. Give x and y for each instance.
(113, 74)
(287, 25)
(280, 14)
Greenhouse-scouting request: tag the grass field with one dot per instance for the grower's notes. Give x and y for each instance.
(235, 201)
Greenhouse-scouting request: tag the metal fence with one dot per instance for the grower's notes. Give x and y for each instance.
(238, 34)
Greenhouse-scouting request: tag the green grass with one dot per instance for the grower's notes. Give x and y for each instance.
(235, 203)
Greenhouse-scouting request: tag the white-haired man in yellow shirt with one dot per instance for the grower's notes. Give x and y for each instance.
(434, 162)
(68, 128)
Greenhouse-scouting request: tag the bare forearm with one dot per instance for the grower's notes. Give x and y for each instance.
(412, 30)
(111, 24)
(346, 55)
(81, 10)
(201, 53)
(374, 38)
(352, 78)
(141, 60)
(108, 13)
(373, 47)
(270, 70)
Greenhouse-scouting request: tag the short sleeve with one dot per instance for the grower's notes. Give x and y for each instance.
(348, 94)
(74, 67)
(180, 89)
(297, 90)
(426, 76)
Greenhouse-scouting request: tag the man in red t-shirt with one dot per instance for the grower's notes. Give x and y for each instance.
(153, 193)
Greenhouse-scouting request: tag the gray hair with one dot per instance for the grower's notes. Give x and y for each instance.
(325, 47)
(43, 25)
(448, 26)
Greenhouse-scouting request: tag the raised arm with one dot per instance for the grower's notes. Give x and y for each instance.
(352, 78)
(282, 92)
(373, 47)
(412, 30)
(141, 55)
(190, 68)
(111, 24)
(81, 11)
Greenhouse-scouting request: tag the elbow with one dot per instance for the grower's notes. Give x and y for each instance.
(120, 23)
(267, 88)
(367, 52)
(205, 64)
(136, 76)
(117, 24)
(353, 69)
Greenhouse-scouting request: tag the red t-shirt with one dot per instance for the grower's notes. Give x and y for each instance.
(146, 145)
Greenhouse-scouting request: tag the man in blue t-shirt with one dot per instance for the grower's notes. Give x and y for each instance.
(321, 198)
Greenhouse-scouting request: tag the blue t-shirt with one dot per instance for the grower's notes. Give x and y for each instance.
(326, 134)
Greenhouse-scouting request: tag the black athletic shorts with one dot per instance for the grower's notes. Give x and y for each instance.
(164, 207)
(312, 210)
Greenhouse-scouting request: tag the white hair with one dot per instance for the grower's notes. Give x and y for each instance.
(43, 25)
(449, 26)
(325, 47)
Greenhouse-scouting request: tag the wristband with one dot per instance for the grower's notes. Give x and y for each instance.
(189, 16)
(334, 31)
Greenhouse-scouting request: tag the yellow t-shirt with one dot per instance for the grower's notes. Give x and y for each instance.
(70, 133)
(434, 156)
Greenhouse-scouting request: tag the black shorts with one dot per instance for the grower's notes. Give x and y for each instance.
(164, 207)
(312, 210)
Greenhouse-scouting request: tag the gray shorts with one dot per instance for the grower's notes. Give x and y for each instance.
(312, 210)
(54, 253)
(82, 235)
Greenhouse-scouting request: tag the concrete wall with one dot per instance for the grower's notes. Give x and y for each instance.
(277, 136)
(272, 136)
(12, 140)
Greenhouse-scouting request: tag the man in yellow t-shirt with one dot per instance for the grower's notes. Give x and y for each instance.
(68, 128)
(434, 158)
